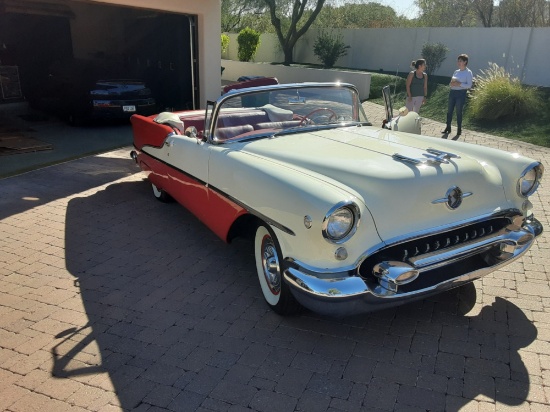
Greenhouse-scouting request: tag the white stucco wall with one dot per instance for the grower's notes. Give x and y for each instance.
(208, 14)
(235, 69)
(522, 51)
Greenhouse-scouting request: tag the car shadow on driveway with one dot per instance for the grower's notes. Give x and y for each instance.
(177, 321)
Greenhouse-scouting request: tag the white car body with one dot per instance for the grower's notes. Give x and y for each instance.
(402, 191)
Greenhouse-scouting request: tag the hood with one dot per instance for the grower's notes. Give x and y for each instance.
(360, 160)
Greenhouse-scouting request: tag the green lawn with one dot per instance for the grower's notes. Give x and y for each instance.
(533, 129)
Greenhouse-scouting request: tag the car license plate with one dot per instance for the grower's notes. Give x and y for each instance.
(129, 108)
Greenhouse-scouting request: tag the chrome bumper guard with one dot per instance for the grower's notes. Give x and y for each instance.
(341, 294)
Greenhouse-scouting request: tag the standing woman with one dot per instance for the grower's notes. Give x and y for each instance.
(460, 83)
(417, 86)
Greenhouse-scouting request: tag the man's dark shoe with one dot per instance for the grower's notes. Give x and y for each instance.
(459, 131)
(447, 130)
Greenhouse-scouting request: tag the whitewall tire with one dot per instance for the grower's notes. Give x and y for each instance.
(269, 267)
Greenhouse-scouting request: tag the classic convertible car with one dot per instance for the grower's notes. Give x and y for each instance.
(345, 217)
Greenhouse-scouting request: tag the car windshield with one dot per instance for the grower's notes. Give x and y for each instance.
(266, 111)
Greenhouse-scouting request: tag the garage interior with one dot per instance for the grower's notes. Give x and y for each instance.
(38, 36)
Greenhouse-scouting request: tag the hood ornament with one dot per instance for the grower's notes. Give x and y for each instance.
(433, 157)
(453, 198)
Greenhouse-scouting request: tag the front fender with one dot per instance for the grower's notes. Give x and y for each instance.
(286, 194)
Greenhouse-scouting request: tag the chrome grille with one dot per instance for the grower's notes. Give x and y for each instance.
(436, 242)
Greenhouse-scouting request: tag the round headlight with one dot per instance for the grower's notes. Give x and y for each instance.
(530, 179)
(341, 222)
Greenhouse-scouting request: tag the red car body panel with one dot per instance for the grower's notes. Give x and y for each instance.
(211, 207)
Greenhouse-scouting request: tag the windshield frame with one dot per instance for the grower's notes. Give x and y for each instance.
(214, 108)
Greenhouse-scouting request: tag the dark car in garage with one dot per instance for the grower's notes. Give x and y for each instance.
(120, 98)
(81, 91)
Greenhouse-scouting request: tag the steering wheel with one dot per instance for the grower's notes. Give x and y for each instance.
(306, 118)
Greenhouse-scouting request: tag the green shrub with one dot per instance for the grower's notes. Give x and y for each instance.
(224, 42)
(497, 94)
(378, 81)
(249, 41)
(435, 54)
(329, 47)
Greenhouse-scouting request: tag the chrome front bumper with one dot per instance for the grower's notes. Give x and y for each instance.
(345, 293)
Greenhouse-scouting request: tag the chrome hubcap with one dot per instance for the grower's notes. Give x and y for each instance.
(270, 263)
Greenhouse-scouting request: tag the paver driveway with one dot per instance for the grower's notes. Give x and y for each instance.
(110, 300)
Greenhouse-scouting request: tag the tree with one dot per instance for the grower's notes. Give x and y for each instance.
(524, 13)
(485, 10)
(446, 13)
(291, 20)
(358, 16)
(234, 11)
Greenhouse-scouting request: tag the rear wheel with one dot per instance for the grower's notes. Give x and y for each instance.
(160, 194)
(268, 265)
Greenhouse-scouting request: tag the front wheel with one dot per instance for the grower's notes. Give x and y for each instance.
(268, 264)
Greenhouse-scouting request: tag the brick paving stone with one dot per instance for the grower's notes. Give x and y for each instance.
(234, 393)
(186, 402)
(267, 401)
(437, 383)
(312, 363)
(421, 398)
(381, 394)
(376, 352)
(334, 347)
(360, 369)
(487, 367)
(338, 388)
(293, 382)
(450, 365)
(458, 347)
(205, 380)
(397, 374)
(313, 401)
(425, 344)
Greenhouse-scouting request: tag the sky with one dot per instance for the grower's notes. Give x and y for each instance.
(406, 8)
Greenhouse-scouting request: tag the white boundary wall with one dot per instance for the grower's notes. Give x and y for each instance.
(235, 69)
(522, 51)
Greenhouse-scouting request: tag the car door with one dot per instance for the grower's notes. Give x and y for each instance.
(189, 172)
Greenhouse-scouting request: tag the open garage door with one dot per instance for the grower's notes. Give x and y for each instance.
(37, 37)
(161, 50)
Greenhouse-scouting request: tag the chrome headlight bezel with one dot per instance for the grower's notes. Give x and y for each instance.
(330, 230)
(529, 180)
